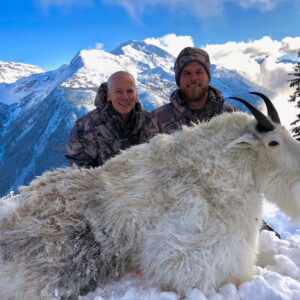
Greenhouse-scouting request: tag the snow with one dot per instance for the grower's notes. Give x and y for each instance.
(34, 86)
(12, 71)
(95, 66)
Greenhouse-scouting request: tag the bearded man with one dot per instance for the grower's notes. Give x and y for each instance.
(195, 100)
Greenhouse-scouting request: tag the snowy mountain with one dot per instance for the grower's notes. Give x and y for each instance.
(38, 111)
(11, 71)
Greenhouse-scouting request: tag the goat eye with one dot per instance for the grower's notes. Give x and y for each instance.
(273, 143)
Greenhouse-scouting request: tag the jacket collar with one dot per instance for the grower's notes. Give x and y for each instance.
(214, 104)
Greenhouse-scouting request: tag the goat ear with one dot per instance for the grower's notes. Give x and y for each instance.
(246, 141)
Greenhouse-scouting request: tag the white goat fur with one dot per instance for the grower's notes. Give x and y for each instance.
(185, 208)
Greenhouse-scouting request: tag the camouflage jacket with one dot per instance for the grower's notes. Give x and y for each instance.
(172, 116)
(101, 133)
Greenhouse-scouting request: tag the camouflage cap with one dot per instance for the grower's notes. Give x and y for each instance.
(190, 54)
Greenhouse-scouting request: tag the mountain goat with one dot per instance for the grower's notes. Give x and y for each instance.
(185, 209)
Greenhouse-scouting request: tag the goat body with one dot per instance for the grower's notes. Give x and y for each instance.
(185, 208)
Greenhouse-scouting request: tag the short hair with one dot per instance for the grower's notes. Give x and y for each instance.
(113, 76)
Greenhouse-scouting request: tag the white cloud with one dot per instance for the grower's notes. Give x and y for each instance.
(259, 62)
(171, 43)
(262, 5)
(99, 46)
(203, 9)
(290, 45)
(133, 8)
(46, 4)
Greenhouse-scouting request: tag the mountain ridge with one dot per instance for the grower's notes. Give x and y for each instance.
(12, 71)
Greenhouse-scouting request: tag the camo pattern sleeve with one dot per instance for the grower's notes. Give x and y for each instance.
(82, 146)
(101, 134)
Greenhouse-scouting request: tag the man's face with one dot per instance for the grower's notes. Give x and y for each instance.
(193, 84)
(123, 95)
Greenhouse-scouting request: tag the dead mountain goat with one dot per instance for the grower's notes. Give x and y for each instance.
(185, 208)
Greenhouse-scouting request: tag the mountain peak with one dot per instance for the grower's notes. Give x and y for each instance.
(12, 71)
(142, 47)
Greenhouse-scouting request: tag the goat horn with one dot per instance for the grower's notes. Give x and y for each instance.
(272, 112)
(265, 124)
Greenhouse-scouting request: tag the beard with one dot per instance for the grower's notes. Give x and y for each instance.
(194, 95)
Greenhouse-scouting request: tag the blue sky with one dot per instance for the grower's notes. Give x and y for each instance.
(49, 33)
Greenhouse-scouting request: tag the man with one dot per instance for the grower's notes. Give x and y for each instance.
(195, 100)
(114, 125)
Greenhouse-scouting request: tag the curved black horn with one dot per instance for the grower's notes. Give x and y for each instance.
(272, 112)
(265, 124)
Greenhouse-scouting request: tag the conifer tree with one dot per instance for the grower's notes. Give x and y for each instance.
(295, 97)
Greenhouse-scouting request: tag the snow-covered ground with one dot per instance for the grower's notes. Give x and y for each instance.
(277, 278)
